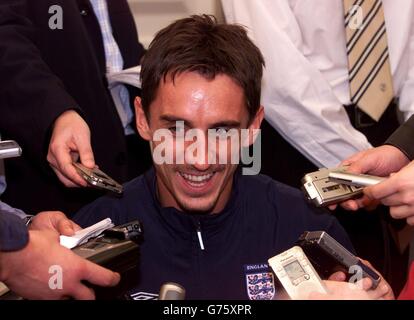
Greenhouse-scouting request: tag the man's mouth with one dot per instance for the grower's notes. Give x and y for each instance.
(197, 180)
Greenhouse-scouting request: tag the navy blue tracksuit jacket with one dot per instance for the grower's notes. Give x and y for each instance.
(261, 219)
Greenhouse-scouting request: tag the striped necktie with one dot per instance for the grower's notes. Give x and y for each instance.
(368, 60)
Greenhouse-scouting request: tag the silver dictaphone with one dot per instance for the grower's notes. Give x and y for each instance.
(98, 179)
(354, 179)
(296, 274)
(322, 191)
(9, 149)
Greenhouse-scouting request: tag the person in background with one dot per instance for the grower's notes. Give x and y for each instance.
(55, 102)
(337, 72)
(394, 159)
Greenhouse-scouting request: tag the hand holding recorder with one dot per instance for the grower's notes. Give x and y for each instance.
(318, 256)
(397, 192)
(71, 139)
(331, 186)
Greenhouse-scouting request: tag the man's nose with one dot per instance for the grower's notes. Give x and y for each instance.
(201, 159)
(202, 162)
(202, 166)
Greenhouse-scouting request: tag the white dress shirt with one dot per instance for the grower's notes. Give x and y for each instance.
(114, 63)
(305, 84)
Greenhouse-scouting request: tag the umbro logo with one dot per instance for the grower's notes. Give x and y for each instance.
(144, 296)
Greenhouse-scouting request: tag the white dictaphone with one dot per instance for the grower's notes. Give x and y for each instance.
(296, 274)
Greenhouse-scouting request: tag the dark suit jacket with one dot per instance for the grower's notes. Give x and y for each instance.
(44, 72)
(403, 138)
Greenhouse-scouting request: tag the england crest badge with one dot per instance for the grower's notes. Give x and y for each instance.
(260, 283)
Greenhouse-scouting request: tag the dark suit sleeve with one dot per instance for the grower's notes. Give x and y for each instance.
(31, 96)
(403, 138)
(13, 232)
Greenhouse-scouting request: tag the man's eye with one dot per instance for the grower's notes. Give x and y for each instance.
(223, 133)
(176, 130)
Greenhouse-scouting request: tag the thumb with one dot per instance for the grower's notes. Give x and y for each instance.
(67, 227)
(368, 193)
(338, 276)
(354, 158)
(62, 224)
(359, 167)
(85, 152)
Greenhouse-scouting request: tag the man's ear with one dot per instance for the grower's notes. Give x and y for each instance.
(254, 128)
(141, 120)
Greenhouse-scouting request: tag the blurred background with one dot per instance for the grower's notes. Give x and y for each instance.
(153, 15)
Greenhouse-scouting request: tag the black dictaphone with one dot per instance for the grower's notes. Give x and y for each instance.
(116, 249)
(329, 256)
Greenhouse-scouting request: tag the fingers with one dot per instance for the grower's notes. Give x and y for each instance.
(70, 138)
(81, 292)
(350, 205)
(100, 276)
(66, 182)
(383, 189)
(364, 284)
(379, 292)
(395, 200)
(359, 167)
(61, 163)
(386, 292)
(338, 276)
(91, 273)
(353, 158)
(399, 199)
(67, 227)
(356, 204)
(85, 151)
(61, 223)
(367, 263)
(360, 163)
(402, 212)
(383, 290)
(76, 227)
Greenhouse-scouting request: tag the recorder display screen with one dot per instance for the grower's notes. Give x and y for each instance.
(294, 270)
(331, 188)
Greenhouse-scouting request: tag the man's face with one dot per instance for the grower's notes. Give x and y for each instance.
(197, 103)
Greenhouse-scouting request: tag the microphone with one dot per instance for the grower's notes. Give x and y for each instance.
(171, 291)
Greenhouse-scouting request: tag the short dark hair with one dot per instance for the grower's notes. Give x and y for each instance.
(201, 44)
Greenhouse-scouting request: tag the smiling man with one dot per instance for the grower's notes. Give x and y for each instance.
(206, 226)
(201, 105)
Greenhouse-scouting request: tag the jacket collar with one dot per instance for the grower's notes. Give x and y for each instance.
(189, 222)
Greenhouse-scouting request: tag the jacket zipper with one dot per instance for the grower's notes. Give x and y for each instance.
(200, 237)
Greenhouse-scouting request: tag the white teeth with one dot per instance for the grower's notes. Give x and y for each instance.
(197, 179)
